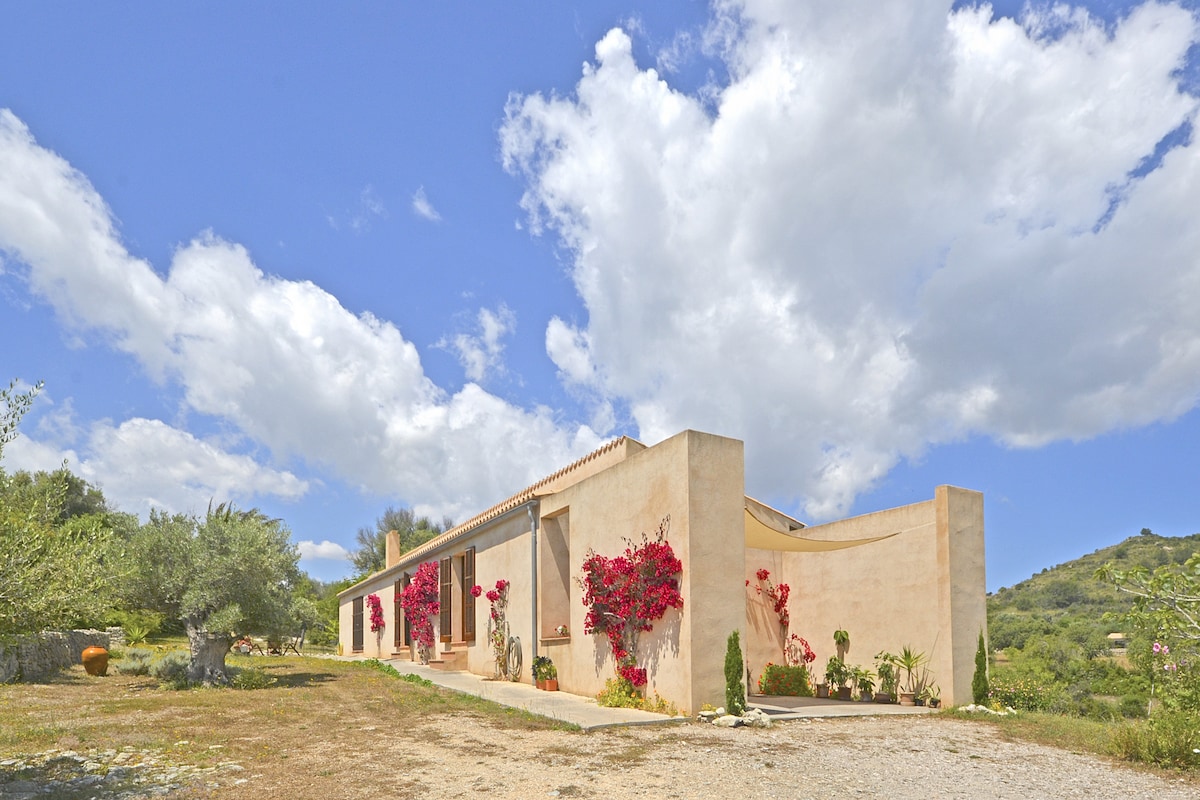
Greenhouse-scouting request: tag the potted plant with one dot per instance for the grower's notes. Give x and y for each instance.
(885, 668)
(837, 674)
(932, 695)
(864, 680)
(545, 674)
(910, 662)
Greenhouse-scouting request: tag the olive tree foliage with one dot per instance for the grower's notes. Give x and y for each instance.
(56, 541)
(231, 573)
(371, 555)
(13, 405)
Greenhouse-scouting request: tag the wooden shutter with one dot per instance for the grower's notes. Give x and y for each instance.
(357, 644)
(397, 616)
(407, 580)
(468, 580)
(446, 619)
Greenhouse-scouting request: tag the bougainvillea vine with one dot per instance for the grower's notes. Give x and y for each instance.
(498, 627)
(420, 603)
(376, 607)
(796, 651)
(627, 594)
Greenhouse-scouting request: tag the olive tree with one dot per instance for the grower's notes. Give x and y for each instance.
(230, 573)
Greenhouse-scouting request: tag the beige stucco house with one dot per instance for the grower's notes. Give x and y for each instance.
(911, 576)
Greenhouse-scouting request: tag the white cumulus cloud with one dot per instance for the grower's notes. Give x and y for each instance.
(325, 550)
(280, 362)
(896, 225)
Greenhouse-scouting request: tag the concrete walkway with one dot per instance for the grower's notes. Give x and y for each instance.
(583, 711)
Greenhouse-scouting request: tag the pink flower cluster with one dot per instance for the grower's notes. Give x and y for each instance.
(376, 607)
(625, 595)
(420, 603)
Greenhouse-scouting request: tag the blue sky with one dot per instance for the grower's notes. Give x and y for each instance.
(325, 262)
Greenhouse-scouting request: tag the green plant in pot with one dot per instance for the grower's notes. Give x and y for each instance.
(545, 674)
(864, 681)
(932, 695)
(885, 668)
(912, 664)
(837, 675)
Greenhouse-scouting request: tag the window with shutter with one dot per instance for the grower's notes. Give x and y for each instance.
(397, 615)
(446, 618)
(357, 644)
(468, 580)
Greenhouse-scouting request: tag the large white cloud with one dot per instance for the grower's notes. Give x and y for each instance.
(281, 361)
(896, 225)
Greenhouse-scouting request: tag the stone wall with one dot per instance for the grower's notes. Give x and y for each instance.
(36, 656)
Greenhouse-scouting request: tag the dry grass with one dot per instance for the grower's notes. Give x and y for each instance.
(325, 728)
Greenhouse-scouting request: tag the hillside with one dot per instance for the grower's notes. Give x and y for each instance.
(1068, 600)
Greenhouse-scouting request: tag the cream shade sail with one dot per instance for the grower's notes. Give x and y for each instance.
(761, 536)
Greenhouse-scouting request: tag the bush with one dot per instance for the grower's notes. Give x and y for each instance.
(1022, 693)
(784, 680)
(171, 670)
(979, 682)
(252, 678)
(1170, 739)
(620, 693)
(735, 688)
(136, 661)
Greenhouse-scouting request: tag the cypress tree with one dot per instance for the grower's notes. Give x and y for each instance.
(979, 683)
(735, 689)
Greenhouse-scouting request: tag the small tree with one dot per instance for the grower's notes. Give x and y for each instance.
(230, 574)
(979, 682)
(735, 686)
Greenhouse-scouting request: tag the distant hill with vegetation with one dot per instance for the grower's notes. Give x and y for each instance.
(1067, 599)
(1049, 635)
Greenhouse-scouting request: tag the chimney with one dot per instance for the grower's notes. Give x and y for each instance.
(392, 552)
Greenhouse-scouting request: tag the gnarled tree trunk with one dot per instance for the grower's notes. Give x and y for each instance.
(208, 651)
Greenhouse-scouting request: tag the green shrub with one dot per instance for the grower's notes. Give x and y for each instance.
(171, 670)
(1169, 738)
(735, 687)
(781, 679)
(136, 661)
(979, 682)
(620, 693)
(1023, 694)
(252, 678)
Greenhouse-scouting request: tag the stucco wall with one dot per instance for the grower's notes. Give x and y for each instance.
(923, 588)
(696, 480)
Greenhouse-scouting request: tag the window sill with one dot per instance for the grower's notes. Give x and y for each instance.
(554, 639)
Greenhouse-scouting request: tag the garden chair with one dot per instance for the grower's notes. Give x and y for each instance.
(295, 643)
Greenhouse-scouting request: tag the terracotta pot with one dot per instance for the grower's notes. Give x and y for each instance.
(95, 660)
(908, 698)
(551, 684)
(541, 684)
(843, 693)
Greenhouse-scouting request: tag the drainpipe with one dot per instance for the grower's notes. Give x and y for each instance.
(534, 508)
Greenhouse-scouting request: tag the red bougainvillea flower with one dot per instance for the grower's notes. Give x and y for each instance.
(476, 590)
(626, 594)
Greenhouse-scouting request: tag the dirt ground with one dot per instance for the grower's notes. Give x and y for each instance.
(331, 729)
